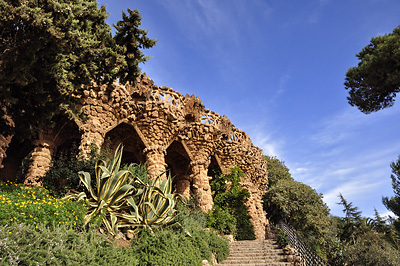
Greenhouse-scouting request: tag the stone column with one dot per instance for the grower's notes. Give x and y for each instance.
(257, 214)
(201, 183)
(4, 142)
(89, 138)
(183, 187)
(155, 161)
(256, 210)
(92, 134)
(40, 161)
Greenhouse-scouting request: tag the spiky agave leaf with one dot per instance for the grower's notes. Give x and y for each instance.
(114, 187)
(156, 206)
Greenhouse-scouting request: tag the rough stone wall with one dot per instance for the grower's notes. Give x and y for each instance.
(5, 140)
(164, 126)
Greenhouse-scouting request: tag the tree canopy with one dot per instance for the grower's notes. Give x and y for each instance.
(375, 81)
(393, 203)
(51, 50)
(296, 203)
(132, 39)
(277, 170)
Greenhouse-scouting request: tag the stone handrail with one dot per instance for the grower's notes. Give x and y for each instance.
(308, 257)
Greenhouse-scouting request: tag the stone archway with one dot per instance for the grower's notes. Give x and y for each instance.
(47, 143)
(17, 153)
(133, 144)
(67, 138)
(178, 160)
(214, 168)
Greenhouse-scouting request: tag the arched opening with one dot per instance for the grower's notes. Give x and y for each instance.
(17, 161)
(178, 160)
(133, 145)
(67, 139)
(214, 168)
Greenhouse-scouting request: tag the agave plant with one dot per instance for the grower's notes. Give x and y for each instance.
(154, 207)
(113, 187)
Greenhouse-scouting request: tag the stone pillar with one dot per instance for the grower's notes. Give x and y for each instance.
(183, 187)
(256, 210)
(201, 183)
(89, 138)
(93, 133)
(40, 161)
(155, 161)
(4, 142)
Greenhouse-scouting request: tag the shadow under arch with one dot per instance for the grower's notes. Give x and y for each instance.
(214, 168)
(67, 138)
(133, 145)
(178, 160)
(17, 160)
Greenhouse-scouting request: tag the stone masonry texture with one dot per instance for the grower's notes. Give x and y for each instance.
(163, 129)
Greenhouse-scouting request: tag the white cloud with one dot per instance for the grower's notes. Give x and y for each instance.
(346, 123)
(299, 170)
(386, 214)
(350, 190)
(284, 79)
(271, 146)
(265, 143)
(203, 21)
(339, 127)
(317, 13)
(341, 172)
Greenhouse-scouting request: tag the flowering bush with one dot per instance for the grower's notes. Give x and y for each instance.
(34, 205)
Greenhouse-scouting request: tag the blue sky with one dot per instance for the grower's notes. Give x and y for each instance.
(276, 69)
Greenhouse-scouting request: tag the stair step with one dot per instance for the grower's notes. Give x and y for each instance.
(258, 264)
(255, 253)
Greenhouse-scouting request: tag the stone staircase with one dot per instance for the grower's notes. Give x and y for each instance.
(255, 253)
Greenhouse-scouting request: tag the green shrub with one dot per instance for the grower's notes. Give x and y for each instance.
(190, 215)
(370, 250)
(282, 238)
(222, 220)
(65, 165)
(34, 205)
(193, 222)
(245, 230)
(166, 247)
(174, 247)
(218, 246)
(229, 215)
(22, 244)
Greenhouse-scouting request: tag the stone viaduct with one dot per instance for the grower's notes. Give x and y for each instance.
(160, 127)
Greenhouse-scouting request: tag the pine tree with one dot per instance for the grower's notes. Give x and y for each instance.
(352, 220)
(393, 204)
(375, 81)
(50, 50)
(132, 39)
